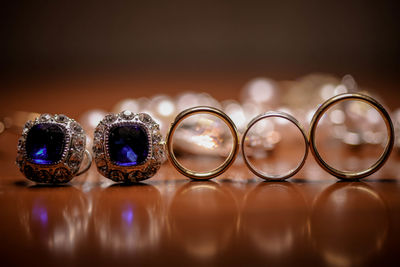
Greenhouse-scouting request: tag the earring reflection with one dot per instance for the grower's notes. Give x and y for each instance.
(55, 216)
(128, 218)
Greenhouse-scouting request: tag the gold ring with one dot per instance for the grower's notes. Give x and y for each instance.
(292, 120)
(384, 156)
(229, 160)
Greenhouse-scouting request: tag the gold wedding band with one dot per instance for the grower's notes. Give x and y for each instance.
(348, 174)
(293, 120)
(229, 160)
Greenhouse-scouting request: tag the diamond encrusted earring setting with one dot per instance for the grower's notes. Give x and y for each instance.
(51, 149)
(128, 147)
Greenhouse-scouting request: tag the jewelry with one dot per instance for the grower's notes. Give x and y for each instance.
(2, 127)
(229, 160)
(128, 146)
(282, 115)
(51, 149)
(396, 122)
(384, 156)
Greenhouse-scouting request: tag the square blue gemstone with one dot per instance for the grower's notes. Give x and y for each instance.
(45, 143)
(128, 145)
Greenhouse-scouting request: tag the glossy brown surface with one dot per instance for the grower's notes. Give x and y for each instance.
(235, 219)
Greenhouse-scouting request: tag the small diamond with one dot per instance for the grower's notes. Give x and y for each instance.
(110, 118)
(28, 124)
(45, 117)
(99, 129)
(116, 176)
(99, 155)
(101, 164)
(43, 176)
(62, 175)
(152, 170)
(156, 138)
(159, 152)
(97, 147)
(74, 160)
(21, 143)
(61, 118)
(133, 176)
(146, 118)
(127, 114)
(76, 127)
(25, 131)
(139, 175)
(103, 169)
(99, 132)
(98, 135)
(78, 143)
(20, 160)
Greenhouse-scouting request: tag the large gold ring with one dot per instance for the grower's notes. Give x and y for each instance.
(384, 156)
(293, 120)
(229, 160)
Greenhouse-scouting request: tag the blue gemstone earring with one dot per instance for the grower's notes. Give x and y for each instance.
(128, 147)
(51, 149)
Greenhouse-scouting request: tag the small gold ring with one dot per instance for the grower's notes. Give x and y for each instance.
(347, 175)
(293, 120)
(229, 160)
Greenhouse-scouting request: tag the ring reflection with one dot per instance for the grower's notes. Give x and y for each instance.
(349, 223)
(202, 219)
(273, 221)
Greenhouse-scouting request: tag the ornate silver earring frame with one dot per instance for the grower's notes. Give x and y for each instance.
(108, 167)
(71, 144)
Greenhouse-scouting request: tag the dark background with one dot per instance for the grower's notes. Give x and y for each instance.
(282, 38)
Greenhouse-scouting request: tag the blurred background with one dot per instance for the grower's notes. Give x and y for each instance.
(104, 52)
(283, 39)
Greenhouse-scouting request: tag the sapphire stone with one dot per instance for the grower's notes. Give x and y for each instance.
(128, 145)
(45, 143)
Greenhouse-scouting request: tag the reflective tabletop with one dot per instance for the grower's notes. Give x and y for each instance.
(236, 219)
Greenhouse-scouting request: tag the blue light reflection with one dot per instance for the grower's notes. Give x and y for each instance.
(130, 155)
(128, 215)
(39, 213)
(40, 156)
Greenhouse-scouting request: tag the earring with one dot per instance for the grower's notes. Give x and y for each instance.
(51, 149)
(128, 147)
